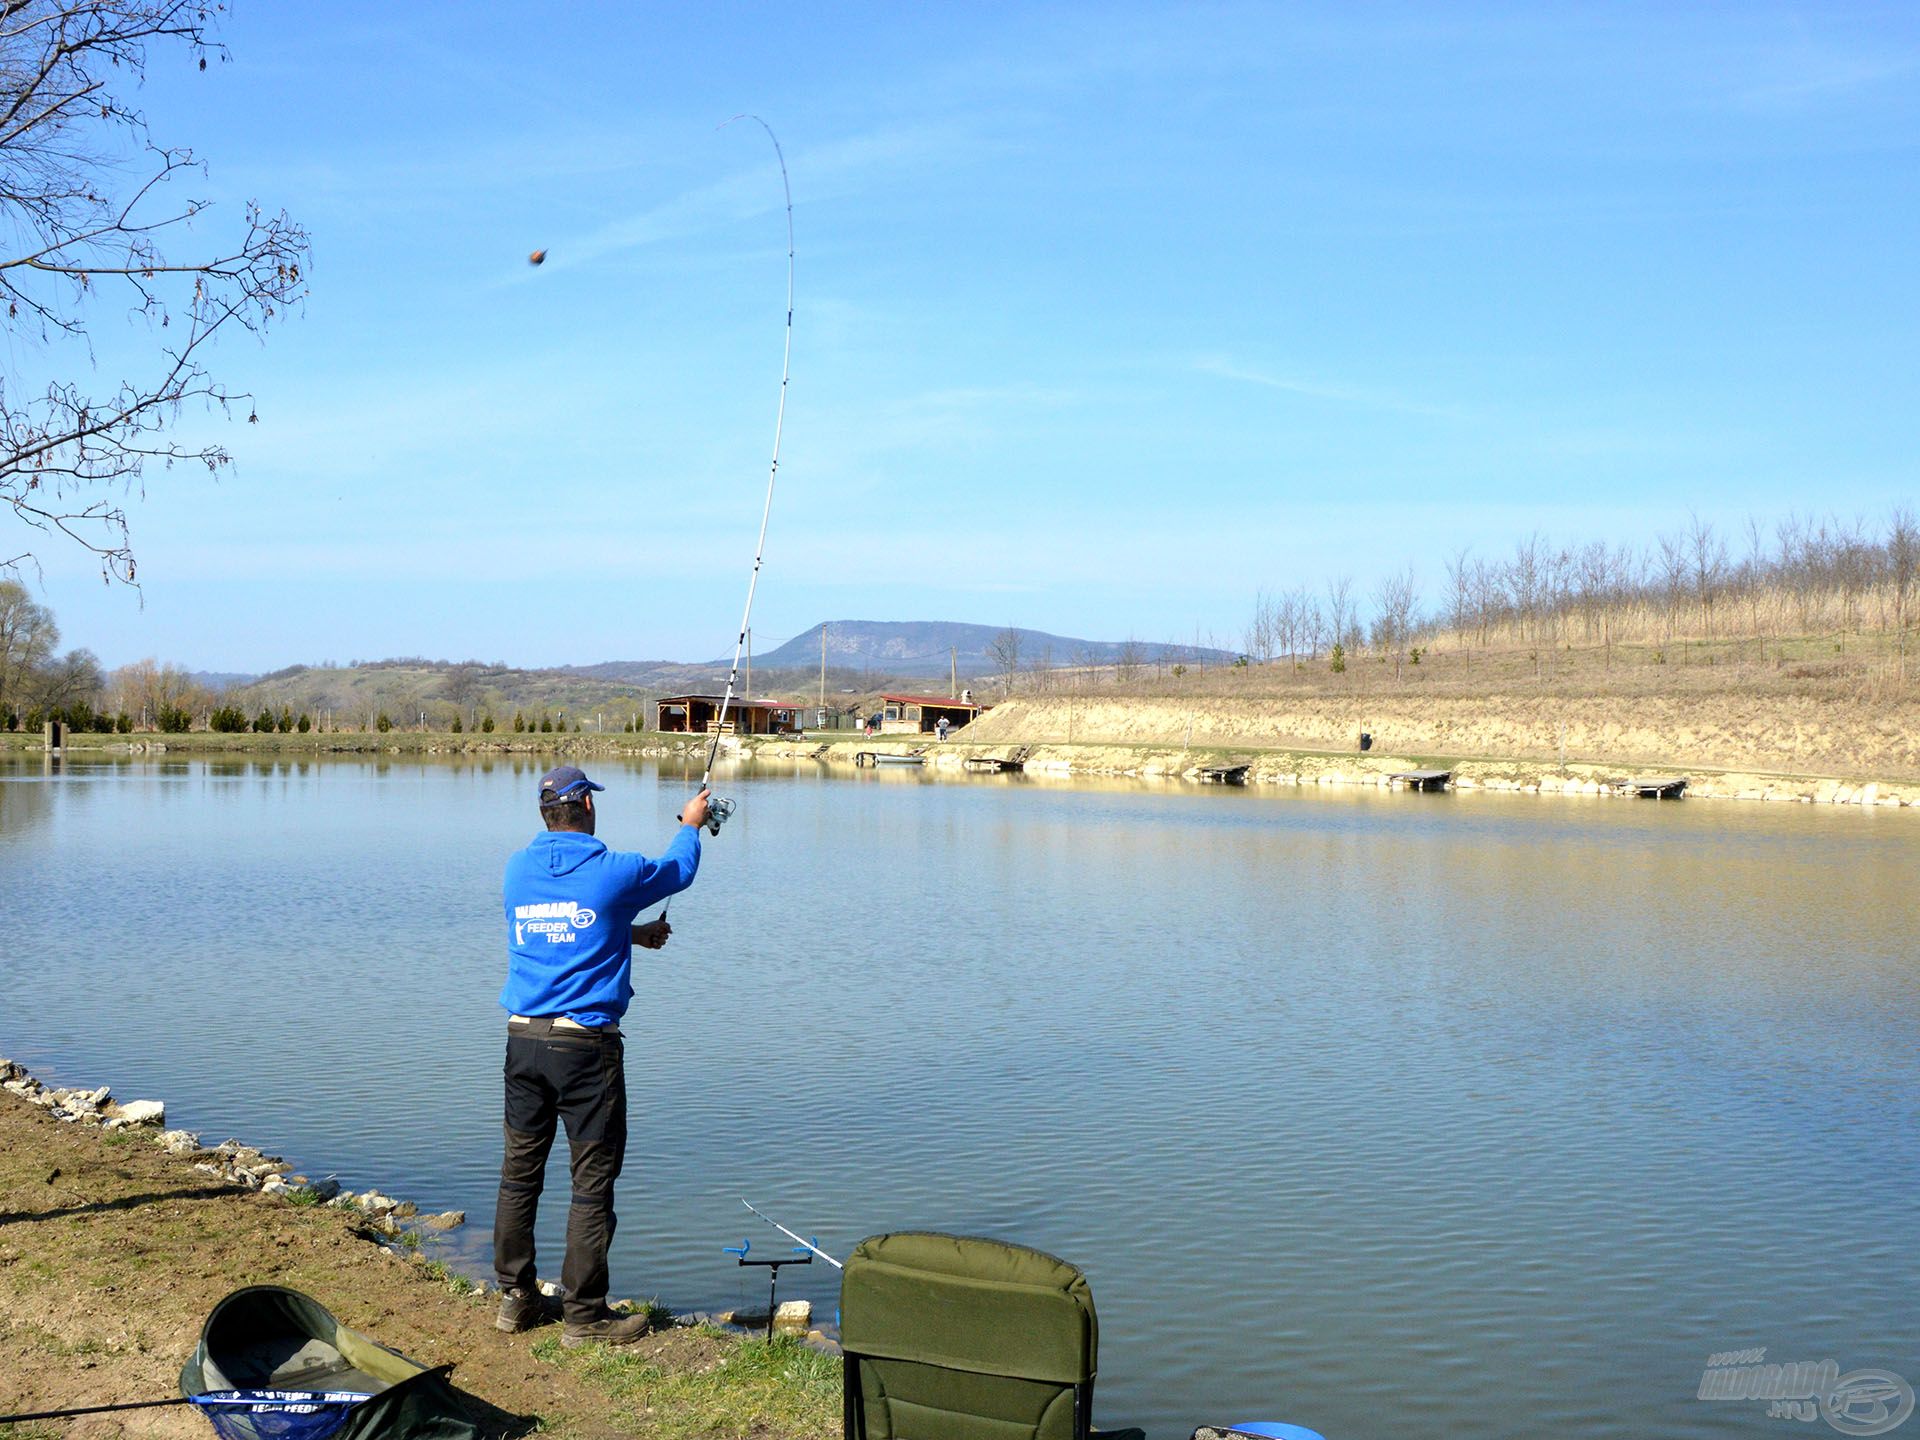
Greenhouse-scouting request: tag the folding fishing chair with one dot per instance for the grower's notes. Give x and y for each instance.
(952, 1338)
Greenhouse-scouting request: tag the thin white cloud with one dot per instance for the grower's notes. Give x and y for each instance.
(1320, 390)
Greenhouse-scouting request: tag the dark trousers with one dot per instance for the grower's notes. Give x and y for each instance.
(578, 1078)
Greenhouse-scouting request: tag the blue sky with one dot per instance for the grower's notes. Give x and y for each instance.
(1107, 315)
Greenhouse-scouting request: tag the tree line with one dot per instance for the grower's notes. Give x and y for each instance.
(1805, 575)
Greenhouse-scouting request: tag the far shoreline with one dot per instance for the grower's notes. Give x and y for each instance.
(1041, 758)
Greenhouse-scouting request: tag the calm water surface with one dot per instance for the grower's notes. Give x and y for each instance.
(1386, 1114)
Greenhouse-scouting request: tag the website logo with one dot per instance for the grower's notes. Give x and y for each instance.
(1860, 1402)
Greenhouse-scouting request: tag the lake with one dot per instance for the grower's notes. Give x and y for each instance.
(1384, 1113)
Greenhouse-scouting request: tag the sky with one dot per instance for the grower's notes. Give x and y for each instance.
(1107, 316)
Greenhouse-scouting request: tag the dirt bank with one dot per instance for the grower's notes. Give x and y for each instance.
(1790, 734)
(112, 1252)
(1272, 766)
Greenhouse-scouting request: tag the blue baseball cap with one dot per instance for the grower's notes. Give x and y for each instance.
(565, 782)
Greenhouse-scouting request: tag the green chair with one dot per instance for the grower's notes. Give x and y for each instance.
(952, 1338)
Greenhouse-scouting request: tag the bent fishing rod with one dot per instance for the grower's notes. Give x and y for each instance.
(719, 810)
(716, 811)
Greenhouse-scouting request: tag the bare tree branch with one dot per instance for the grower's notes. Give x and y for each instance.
(73, 230)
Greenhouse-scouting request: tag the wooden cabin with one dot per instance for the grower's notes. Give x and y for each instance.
(697, 714)
(920, 714)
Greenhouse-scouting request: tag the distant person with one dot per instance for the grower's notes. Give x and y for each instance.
(941, 728)
(1366, 742)
(570, 907)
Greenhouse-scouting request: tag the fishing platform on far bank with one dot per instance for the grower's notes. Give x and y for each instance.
(1013, 761)
(1229, 774)
(1420, 779)
(1651, 787)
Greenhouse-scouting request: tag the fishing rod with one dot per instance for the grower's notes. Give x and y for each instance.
(718, 810)
(805, 1243)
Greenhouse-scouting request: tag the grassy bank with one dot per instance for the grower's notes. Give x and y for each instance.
(352, 742)
(112, 1253)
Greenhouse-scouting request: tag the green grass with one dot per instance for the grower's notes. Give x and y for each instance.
(39, 1431)
(302, 1195)
(448, 1276)
(784, 1388)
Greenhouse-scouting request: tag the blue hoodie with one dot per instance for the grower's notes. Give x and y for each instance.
(570, 904)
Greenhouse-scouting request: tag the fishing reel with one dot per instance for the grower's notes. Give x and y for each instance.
(719, 811)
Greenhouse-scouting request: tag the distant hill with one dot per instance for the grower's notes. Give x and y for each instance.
(932, 647)
(221, 679)
(863, 656)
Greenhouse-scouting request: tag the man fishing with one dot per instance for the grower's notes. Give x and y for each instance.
(571, 904)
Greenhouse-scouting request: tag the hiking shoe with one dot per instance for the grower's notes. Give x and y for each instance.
(521, 1310)
(611, 1328)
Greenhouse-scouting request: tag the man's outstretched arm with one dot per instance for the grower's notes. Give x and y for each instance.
(676, 866)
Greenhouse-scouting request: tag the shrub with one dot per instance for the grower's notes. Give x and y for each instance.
(263, 722)
(227, 720)
(519, 722)
(172, 720)
(303, 724)
(123, 723)
(456, 725)
(1414, 654)
(382, 723)
(1337, 659)
(486, 722)
(285, 723)
(546, 726)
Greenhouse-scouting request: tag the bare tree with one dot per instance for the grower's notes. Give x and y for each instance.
(1042, 668)
(92, 211)
(1004, 651)
(69, 680)
(1460, 595)
(1671, 559)
(1340, 619)
(1309, 625)
(1706, 566)
(1261, 637)
(1394, 603)
(145, 690)
(1524, 583)
(1127, 660)
(28, 633)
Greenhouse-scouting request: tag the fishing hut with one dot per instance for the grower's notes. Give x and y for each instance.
(700, 715)
(1653, 787)
(921, 714)
(1420, 779)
